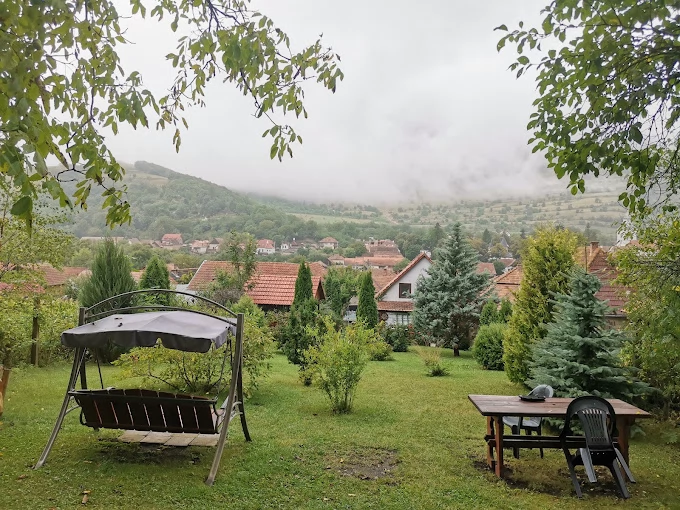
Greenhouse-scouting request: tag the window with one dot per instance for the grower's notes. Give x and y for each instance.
(404, 290)
(403, 318)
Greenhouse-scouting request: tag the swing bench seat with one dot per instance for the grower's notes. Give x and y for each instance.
(148, 410)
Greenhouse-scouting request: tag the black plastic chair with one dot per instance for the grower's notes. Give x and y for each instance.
(528, 423)
(598, 421)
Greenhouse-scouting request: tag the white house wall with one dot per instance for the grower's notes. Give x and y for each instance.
(411, 277)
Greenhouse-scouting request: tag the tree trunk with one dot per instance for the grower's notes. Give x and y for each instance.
(456, 351)
(3, 386)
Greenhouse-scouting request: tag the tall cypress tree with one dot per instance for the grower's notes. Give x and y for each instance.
(110, 277)
(579, 355)
(156, 276)
(447, 302)
(547, 259)
(303, 284)
(367, 308)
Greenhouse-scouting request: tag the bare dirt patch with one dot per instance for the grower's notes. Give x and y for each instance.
(367, 463)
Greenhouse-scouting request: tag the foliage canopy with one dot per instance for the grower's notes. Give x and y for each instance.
(608, 94)
(64, 87)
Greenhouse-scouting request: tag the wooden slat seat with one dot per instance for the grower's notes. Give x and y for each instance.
(147, 410)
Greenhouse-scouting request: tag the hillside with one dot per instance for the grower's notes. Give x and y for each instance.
(167, 201)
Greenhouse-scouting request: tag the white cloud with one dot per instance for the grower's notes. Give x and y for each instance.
(427, 108)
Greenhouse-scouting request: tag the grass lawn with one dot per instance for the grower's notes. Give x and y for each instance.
(422, 430)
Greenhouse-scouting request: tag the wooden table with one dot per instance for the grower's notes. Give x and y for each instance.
(495, 407)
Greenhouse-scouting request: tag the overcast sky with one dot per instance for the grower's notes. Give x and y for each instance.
(427, 109)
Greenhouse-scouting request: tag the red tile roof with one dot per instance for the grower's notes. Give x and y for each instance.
(395, 306)
(33, 288)
(599, 265)
(172, 237)
(54, 276)
(207, 272)
(507, 284)
(486, 267)
(373, 261)
(266, 244)
(329, 240)
(381, 278)
(276, 290)
(394, 280)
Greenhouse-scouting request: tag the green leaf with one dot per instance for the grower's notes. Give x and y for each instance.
(22, 207)
(635, 134)
(272, 152)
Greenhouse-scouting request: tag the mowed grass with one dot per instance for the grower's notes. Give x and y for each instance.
(423, 430)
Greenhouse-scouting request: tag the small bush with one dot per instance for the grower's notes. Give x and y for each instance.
(338, 361)
(400, 337)
(432, 357)
(194, 372)
(380, 350)
(489, 313)
(488, 346)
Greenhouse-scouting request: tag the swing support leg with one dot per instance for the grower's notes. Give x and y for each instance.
(78, 363)
(227, 409)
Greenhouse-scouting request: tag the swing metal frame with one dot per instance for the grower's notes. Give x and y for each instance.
(151, 410)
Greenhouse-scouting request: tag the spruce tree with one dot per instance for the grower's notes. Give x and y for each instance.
(580, 352)
(547, 259)
(156, 276)
(367, 308)
(110, 277)
(303, 284)
(447, 302)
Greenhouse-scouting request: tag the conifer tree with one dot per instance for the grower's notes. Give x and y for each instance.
(367, 308)
(447, 302)
(580, 353)
(489, 313)
(156, 276)
(303, 284)
(110, 277)
(547, 258)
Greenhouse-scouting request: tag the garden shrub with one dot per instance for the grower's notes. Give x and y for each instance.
(195, 372)
(432, 357)
(56, 316)
(399, 336)
(489, 313)
(338, 360)
(488, 346)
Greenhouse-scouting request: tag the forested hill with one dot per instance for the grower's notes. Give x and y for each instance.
(165, 201)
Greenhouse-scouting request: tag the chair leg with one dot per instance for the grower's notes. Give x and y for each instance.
(618, 478)
(515, 431)
(572, 472)
(625, 467)
(588, 464)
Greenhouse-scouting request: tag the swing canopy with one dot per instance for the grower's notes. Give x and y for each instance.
(181, 330)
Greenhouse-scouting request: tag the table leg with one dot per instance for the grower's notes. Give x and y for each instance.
(499, 445)
(489, 448)
(623, 424)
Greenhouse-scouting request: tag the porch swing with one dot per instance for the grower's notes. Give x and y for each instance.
(143, 325)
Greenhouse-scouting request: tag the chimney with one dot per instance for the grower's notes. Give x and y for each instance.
(594, 245)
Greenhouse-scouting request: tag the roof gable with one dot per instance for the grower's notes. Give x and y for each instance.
(403, 273)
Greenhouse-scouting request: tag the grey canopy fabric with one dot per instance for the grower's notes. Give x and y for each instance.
(185, 331)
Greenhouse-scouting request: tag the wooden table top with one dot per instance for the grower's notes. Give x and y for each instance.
(505, 405)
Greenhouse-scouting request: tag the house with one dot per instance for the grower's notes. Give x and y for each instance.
(372, 262)
(486, 267)
(382, 248)
(329, 242)
(595, 260)
(508, 283)
(265, 247)
(171, 240)
(395, 303)
(336, 260)
(271, 287)
(200, 247)
(284, 246)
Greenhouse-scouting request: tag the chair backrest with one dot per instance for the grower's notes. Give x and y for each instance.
(542, 390)
(597, 418)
